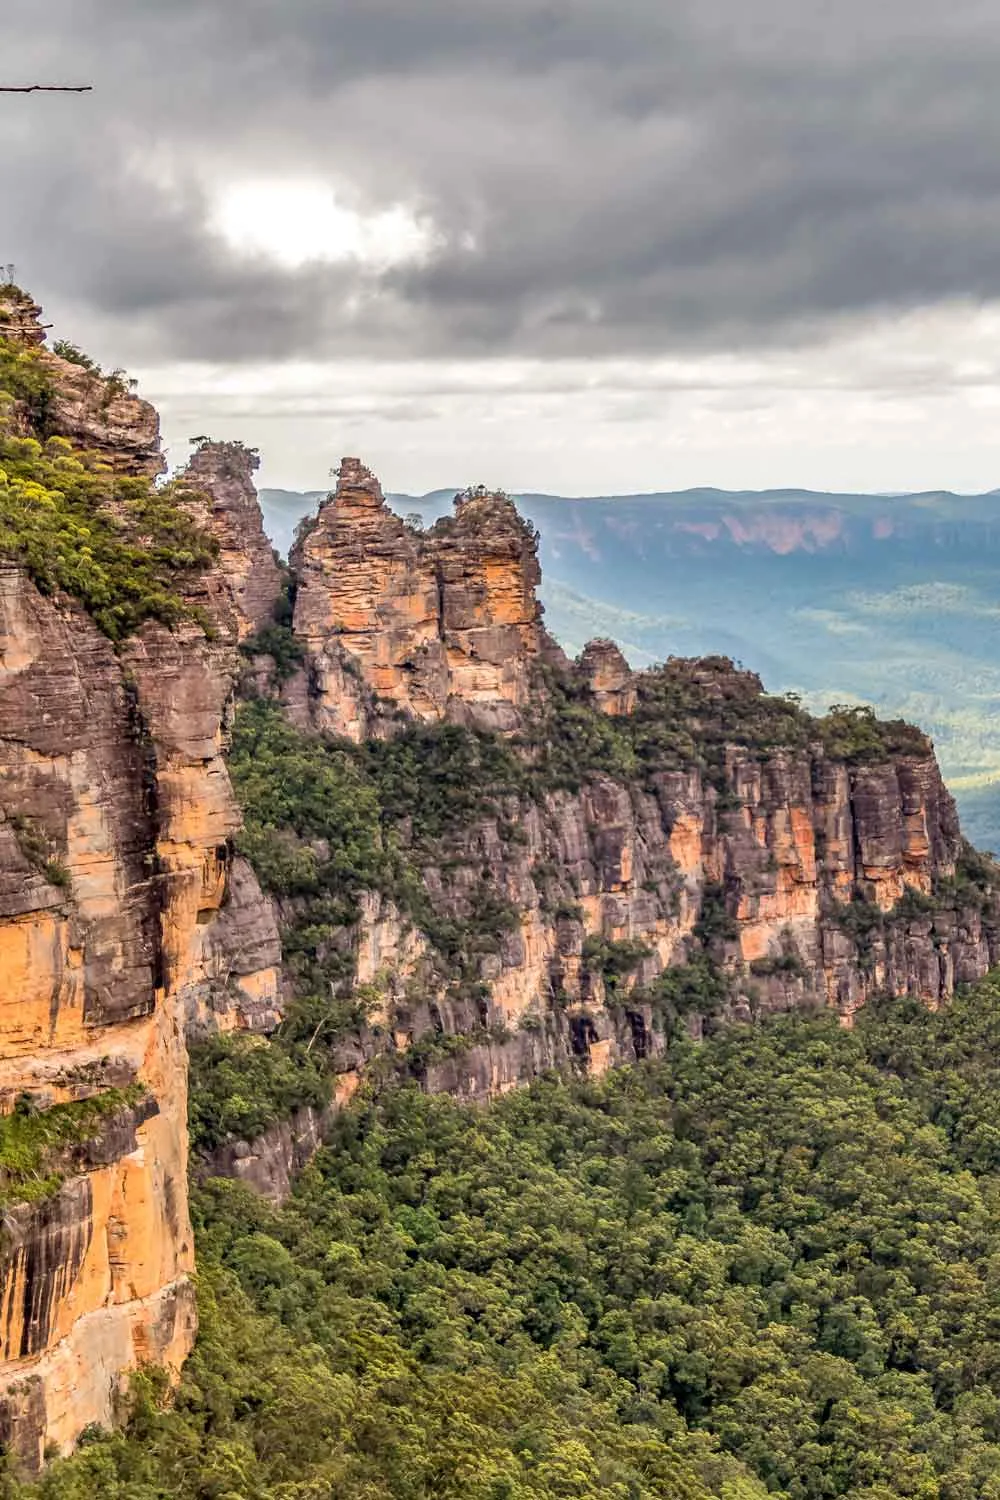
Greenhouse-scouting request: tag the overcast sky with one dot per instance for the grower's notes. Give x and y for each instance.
(584, 246)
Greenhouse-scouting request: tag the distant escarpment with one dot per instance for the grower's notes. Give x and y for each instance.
(118, 658)
(487, 861)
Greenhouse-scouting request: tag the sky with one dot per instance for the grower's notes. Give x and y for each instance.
(560, 245)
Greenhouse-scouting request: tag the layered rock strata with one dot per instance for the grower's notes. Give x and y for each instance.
(803, 882)
(116, 815)
(805, 876)
(398, 623)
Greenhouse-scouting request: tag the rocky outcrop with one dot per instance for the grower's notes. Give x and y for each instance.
(116, 815)
(95, 411)
(100, 413)
(399, 624)
(224, 473)
(20, 317)
(608, 677)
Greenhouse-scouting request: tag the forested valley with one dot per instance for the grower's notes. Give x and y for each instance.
(764, 1264)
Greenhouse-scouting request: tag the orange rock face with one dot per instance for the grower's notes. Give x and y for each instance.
(438, 625)
(116, 881)
(93, 973)
(608, 676)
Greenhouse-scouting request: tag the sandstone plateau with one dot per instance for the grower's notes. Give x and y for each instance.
(801, 874)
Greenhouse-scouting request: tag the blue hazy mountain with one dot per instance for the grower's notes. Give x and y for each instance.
(890, 600)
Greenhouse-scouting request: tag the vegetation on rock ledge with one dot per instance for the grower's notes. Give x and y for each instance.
(123, 546)
(35, 1144)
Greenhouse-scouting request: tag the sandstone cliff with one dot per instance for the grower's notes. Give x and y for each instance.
(116, 813)
(531, 863)
(801, 880)
(710, 852)
(395, 622)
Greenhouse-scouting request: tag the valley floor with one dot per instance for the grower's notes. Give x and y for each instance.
(767, 1264)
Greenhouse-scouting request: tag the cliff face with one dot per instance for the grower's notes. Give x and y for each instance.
(617, 850)
(718, 832)
(116, 813)
(430, 626)
(802, 882)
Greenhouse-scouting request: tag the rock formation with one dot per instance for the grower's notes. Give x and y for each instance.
(116, 813)
(660, 831)
(608, 676)
(224, 472)
(807, 871)
(97, 412)
(397, 623)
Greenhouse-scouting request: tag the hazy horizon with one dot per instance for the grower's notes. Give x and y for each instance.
(592, 250)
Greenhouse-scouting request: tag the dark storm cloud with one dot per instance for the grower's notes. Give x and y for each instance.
(603, 178)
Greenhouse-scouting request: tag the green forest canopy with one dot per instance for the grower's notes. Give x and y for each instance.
(767, 1264)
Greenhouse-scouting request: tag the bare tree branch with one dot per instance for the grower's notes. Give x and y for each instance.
(47, 88)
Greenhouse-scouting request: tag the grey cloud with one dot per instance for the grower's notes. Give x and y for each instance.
(636, 177)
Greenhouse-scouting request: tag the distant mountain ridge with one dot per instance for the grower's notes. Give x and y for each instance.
(893, 600)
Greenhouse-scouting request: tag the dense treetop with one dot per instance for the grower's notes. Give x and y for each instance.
(767, 1264)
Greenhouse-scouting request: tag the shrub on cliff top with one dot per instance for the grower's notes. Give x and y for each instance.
(854, 734)
(24, 378)
(119, 544)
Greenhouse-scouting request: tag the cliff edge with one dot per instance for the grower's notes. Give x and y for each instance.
(118, 633)
(370, 798)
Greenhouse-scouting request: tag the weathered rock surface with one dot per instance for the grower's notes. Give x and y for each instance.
(116, 814)
(401, 624)
(224, 472)
(96, 411)
(809, 883)
(239, 987)
(608, 676)
(94, 969)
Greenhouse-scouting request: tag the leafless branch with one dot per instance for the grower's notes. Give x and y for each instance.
(47, 88)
